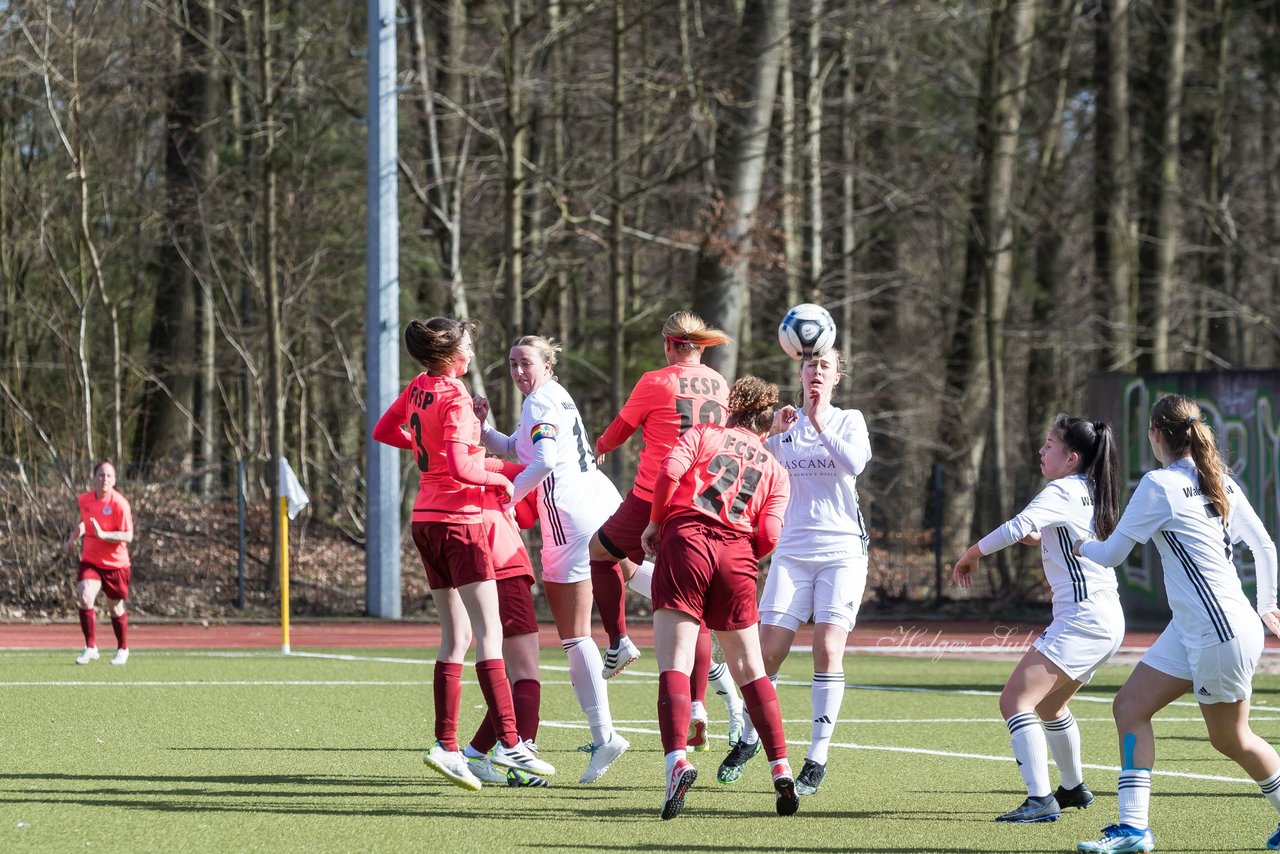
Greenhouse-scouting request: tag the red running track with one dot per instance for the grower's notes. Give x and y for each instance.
(918, 637)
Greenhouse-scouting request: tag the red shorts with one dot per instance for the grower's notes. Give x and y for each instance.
(115, 582)
(515, 605)
(620, 534)
(453, 554)
(708, 572)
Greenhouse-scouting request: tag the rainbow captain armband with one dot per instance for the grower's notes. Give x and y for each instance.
(543, 431)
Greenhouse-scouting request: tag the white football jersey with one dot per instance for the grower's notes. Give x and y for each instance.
(823, 516)
(1062, 513)
(1195, 548)
(576, 498)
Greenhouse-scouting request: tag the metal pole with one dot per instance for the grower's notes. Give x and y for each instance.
(382, 318)
(240, 534)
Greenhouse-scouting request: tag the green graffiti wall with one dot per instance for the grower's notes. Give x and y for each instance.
(1242, 408)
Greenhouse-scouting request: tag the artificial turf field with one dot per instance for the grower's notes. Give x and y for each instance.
(190, 750)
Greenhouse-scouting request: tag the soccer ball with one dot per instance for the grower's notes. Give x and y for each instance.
(807, 330)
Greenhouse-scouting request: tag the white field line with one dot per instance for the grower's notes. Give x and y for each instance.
(950, 754)
(244, 683)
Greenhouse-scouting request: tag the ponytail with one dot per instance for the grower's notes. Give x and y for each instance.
(1095, 442)
(1184, 432)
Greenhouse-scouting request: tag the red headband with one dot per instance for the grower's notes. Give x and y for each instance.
(675, 340)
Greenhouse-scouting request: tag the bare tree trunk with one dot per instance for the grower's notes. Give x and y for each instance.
(166, 425)
(1044, 396)
(975, 371)
(444, 140)
(617, 259)
(1268, 349)
(1113, 235)
(789, 179)
(815, 81)
(271, 285)
(848, 206)
(724, 260)
(1160, 243)
(514, 130)
(1224, 346)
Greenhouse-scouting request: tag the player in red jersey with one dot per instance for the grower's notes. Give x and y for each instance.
(106, 523)
(663, 405)
(513, 573)
(433, 418)
(717, 509)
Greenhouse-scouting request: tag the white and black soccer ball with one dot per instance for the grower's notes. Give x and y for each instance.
(807, 330)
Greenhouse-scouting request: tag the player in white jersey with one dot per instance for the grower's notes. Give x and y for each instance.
(1195, 513)
(819, 568)
(574, 500)
(1083, 466)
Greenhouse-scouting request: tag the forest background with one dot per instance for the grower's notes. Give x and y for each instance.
(995, 200)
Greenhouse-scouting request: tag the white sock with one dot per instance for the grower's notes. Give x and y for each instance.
(1031, 752)
(1063, 736)
(825, 698)
(722, 683)
(697, 711)
(642, 581)
(589, 686)
(672, 758)
(1135, 797)
(749, 734)
(1271, 789)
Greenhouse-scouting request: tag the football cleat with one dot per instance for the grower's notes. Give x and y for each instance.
(1080, 797)
(602, 756)
(521, 758)
(121, 657)
(1033, 810)
(485, 771)
(90, 654)
(678, 783)
(1273, 841)
(787, 802)
(1121, 839)
(453, 765)
(731, 767)
(617, 658)
(810, 777)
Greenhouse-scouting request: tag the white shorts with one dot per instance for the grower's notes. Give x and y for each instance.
(568, 563)
(1221, 673)
(827, 588)
(1085, 636)
(569, 514)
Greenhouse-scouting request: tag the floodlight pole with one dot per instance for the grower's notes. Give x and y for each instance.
(382, 319)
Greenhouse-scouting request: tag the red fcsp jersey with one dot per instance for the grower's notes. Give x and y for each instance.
(437, 410)
(726, 473)
(665, 404)
(113, 514)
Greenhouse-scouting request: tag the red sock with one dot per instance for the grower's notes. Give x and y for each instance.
(610, 593)
(526, 696)
(486, 736)
(447, 689)
(89, 626)
(120, 625)
(492, 673)
(701, 665)
(761, 700)
(673, 709)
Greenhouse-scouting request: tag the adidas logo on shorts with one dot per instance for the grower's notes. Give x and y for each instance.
(1204, 692)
